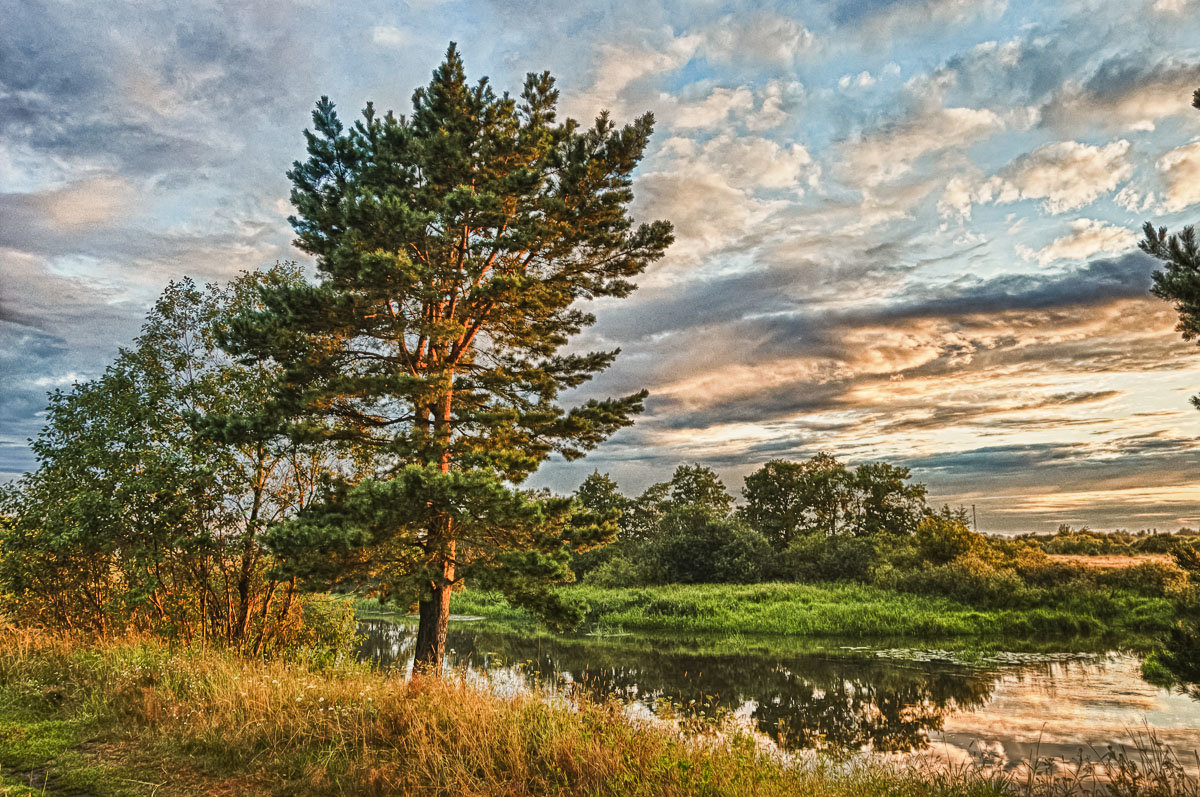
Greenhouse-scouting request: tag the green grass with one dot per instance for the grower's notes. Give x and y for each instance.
(845, 612)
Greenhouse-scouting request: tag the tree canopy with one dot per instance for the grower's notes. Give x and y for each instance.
(454, 247)
(137, 517)
(786, 500)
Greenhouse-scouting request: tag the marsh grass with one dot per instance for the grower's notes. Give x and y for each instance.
(137, 717)
(845, 611)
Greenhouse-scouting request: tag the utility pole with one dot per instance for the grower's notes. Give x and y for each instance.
(974, 520)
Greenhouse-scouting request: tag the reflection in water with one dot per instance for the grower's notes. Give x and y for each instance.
(1004, 714)
(801, 702)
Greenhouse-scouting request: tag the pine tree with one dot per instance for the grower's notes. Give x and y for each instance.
(453, 247)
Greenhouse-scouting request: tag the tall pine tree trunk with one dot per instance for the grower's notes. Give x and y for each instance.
(434, 612)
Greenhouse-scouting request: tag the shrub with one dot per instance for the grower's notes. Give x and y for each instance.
(1153, 579)
(618, 571)
(820, 558)
(970, 579)
(942, 538)
(696, 547)
(1036, 568)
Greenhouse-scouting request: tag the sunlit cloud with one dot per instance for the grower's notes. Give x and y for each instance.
(905, 231)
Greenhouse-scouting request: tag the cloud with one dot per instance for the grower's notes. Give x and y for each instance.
(1125, 92)
(742, 107)
(887, 154)
(711, 111)
(746, 162)
(707, 210)
(93, 201)
(812, 299)
(876, 20)
(1180, 170)
(761, 37)
(620, 67)
(1087, 237)
(391, 36)
(1066, 175)
(862, 80)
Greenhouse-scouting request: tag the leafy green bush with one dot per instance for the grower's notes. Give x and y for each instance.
(1038, 569)
(819, 558)
(943, 538)
(697, 547)
(619, 571)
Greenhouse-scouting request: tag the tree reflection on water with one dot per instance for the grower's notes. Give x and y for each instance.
(801, 701)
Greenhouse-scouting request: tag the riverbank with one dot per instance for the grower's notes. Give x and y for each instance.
(136, 717)
(1112, 619)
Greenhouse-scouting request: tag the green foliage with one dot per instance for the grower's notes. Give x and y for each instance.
(823, 497)
(813, 558)
(1179, 280)
(617, 571)
(139, 515)
(1180, 655)
(695, 546)
(698, 487)
(943, 538)
(842, 610)
(601, 496)
(970, 578)
(1156, 579)
(453, 247)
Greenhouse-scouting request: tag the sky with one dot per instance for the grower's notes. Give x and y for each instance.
(906, 231)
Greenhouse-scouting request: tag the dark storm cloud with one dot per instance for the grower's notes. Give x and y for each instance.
(1094, 282)
(773, 319)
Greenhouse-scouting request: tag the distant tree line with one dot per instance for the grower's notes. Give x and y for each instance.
(822, 520)
(688, 529)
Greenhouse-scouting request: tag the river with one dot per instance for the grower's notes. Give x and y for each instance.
(1000, 709)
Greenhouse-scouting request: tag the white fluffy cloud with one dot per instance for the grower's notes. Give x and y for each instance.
(1181, 172)
(1087, 237)
(390, 36)
(713, 191)
(1066, 175)
(888, 154)
(710, 111)
(747, 162)
(763, 38)
(620, 66)
(741, 106)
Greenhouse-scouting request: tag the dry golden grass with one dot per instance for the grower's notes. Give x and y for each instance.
(1111, 562)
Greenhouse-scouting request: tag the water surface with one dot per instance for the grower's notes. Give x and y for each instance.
(1001, 709)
